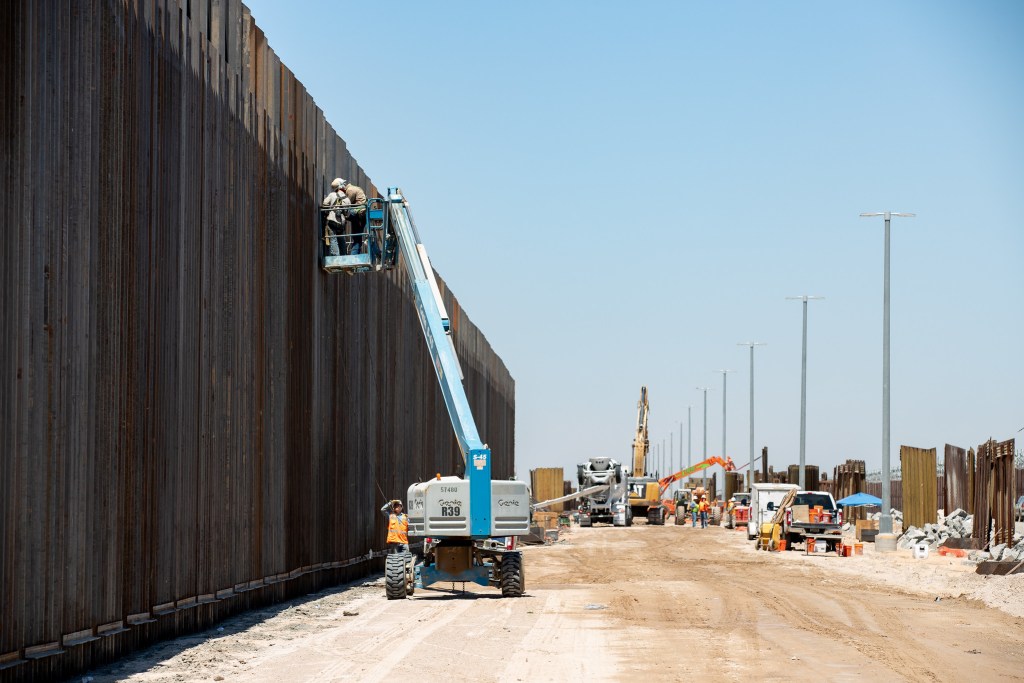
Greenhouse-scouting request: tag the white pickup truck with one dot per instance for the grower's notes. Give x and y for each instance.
(830, 522)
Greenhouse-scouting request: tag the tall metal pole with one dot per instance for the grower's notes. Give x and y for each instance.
(885, 521)
(705, 390)
(689, 435)
(803, 407)
(725, 373)
(671, 453)
(705, 425)
(803, 394)
(750, 472)
(680, 449)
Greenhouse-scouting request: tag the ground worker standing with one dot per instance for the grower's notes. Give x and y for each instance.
(694, 511)
(704, 507)
(398, 527)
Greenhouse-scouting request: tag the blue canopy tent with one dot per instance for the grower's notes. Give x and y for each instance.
(860, 500)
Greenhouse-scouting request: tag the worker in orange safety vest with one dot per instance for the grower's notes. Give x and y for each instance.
(704, 507)
(398, 527)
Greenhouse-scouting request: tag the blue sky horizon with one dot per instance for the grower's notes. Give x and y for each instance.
(619, 195)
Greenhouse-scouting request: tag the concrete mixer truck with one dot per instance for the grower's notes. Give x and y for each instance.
(610, 505)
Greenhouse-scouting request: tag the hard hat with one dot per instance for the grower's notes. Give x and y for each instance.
(338, 182)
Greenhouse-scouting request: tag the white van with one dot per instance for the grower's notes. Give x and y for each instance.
(764, 499)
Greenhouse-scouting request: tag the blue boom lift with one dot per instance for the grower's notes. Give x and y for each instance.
(465, 520)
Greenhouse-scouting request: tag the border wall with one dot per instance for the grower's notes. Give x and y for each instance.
(194, 419)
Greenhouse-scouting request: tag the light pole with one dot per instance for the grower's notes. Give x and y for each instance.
(750, 472)
(689, 435)
(671, 452)
(885, 521)
(705, 390)
(803, 393)
(680, 449)
(724, 453)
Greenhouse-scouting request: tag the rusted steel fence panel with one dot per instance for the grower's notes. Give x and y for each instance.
(982, 493)
(920, 505)
(955, 472)
(994, 490)
(850, 478)
(1003, 492)
(194, 419)
(971, 473)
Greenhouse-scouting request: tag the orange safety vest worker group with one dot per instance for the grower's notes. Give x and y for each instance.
(398, 527)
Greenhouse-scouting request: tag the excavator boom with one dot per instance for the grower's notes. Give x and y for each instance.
(640, 442)
(665, 482)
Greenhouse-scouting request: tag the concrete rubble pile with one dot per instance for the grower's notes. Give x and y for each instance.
(960, 524)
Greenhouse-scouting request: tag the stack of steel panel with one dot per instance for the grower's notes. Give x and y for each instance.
(1003, 485)
(547, 483)
(994, 489)
(955, 473)
(850, 479)
(920, 505)
(971, 474)
(811, 473)
(733, 484)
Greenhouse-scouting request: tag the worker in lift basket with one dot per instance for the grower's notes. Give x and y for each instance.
(356, 212)
(704, 507)
(398, 527)
(334, 221)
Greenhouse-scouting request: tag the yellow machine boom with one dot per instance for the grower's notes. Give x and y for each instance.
(640, 443)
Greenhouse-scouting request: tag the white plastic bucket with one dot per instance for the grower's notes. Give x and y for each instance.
(921, 551)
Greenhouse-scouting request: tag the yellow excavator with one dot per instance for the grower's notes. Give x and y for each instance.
(644, 489)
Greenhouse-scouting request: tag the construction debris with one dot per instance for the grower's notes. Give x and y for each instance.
(960, 524)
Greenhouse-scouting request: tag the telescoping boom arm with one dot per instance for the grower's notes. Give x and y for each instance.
(436, 327)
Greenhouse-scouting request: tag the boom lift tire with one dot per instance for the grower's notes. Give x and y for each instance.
(512, 578)
(394, 576)
(410, 575)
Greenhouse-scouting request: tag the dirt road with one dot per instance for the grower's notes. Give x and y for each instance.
(664, 603)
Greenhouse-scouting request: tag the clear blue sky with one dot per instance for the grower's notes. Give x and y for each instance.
(618, 193)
